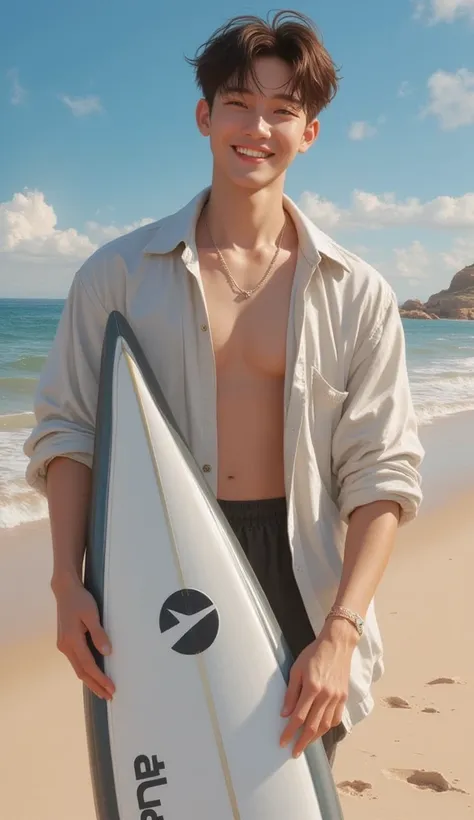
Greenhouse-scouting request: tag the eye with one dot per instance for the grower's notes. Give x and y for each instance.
(286, 111)
(235, 102)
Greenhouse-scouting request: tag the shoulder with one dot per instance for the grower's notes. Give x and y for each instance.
(349, 281)
(104, 275)
(363, 294)
(362, 278)
(122, 252)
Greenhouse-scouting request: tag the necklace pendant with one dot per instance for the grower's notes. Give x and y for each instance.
(246, 294)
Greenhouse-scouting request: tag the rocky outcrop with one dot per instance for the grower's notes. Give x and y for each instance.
(457, 302)
(413, 304)
(416, 314)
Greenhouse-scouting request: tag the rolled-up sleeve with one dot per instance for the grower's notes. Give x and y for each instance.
(66, 398)
(376, 450)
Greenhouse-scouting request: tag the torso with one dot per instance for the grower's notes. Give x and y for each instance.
(249, 341)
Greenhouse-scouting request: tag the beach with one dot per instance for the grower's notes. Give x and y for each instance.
(411, 758)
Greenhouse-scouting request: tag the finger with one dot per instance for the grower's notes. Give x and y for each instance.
(316, 725)
(338, 713)
(293, 692)
(89, 667)
(98, 690)
(299, 715)
(99, 637)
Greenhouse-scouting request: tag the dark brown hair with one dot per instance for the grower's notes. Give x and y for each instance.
(228, 58)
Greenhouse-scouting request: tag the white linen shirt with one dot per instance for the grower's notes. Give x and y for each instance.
(350, 435)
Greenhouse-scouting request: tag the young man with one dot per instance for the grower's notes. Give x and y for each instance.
(282, 358)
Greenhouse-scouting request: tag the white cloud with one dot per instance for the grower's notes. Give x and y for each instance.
(368, 210)
(361, 250)
(361, 130)
(404, 89)
(418, 8)
(82, 106)
(413, 262)
(321, 211)
(417, 266)
(105, 233)
(28, 226)
(17, 92)
(460, 254)
(417, 262)
(443, 11)
(451, 98)
(37, 258)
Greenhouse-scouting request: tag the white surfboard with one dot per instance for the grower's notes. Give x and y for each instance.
(198, 660)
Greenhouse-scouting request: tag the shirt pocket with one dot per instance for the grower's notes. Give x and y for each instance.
(327, 401)
(323, 391)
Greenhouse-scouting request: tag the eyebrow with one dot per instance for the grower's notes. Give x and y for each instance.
(231, 89)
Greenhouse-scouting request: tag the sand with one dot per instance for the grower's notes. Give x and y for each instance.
(411, 758)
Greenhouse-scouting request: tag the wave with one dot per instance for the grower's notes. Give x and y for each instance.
(447, 369)
(428, 413)
(19, 504)
(30, 364)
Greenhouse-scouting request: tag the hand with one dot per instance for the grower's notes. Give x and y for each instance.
(78, 614)
(318, 685)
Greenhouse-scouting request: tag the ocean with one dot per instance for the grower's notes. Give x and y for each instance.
(440, 356)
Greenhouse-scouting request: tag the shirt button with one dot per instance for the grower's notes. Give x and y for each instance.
(207, 468)
(204, 328)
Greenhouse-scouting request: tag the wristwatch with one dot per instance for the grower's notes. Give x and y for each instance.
(348, 615)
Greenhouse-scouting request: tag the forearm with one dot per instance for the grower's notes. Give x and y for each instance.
(68, 487)
(369, 543)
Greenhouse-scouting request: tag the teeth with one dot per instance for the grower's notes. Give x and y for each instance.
(250, 153)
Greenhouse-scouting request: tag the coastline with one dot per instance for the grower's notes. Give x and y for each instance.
(423, 608)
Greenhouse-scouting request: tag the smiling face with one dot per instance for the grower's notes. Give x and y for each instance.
(256, 132)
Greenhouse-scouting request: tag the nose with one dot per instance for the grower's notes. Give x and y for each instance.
(257, 127)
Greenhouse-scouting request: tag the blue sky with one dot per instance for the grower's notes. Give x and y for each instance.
(98, 134)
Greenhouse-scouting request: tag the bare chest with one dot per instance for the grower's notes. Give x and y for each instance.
(248, 333)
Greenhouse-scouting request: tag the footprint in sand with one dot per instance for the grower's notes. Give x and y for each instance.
(433, 781)
(439, 681)
(430, 710)
(394, 702)
(356, 788)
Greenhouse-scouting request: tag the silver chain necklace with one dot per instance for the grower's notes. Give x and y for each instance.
(248, 293)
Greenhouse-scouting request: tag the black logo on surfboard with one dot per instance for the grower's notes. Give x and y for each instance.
(193, 619)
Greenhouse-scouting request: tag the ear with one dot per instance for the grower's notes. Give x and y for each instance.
(203, 117)
(310, 135)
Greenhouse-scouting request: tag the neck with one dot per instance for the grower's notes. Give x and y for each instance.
(245, 219)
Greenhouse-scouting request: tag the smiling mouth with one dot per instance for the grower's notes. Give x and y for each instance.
(250, 153)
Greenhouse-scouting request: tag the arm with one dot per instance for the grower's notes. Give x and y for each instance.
(60, 451)
(376, 460)
(319, 679)
(376, 451)
(66, 399)
(369, 543)
(376, 456)
(68, 487)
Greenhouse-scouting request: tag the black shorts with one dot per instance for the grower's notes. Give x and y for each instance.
(262, 530)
